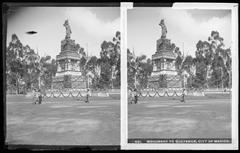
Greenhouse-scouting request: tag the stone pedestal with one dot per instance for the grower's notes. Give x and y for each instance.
(164, 73)
(165, 81)
(69, 73)
(69, 81)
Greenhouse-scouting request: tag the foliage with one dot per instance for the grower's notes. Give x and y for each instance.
(139, 69)
(24, 67)
(211, 66)
(110, 63)
(213, 62)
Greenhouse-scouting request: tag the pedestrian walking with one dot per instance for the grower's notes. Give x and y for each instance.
(131, 96)
(35, 96)
(183, 96)
(87, 96)
(135, 93)
(40, 96)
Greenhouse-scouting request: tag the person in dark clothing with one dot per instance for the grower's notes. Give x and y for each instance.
(135, 96)
(183, 96)
(40, 97)
(35, 96)
(87, 96)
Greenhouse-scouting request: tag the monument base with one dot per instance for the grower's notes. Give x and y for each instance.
(165, 81)
(69, 81)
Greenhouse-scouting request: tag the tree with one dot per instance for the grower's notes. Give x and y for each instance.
(14, 65)
(47, 69)
(213, 62)
(110, 63)
(115, 57)
(25, 68)
(130, 71)
(31, 61)
(104, 61)
(222, 58)
(93, 68)
(145, 72)
(139, 69)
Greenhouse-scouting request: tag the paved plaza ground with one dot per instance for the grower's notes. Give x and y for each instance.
(63, 121)
(167, 117)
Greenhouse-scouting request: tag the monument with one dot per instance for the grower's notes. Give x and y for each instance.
(68, 73)
(164, 73)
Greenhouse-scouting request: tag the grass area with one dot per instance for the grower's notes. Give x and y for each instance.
(70, 121)
(200, 117)
(63, 121)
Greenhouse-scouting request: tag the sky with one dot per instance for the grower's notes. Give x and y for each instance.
(90, 26)
(184, 28)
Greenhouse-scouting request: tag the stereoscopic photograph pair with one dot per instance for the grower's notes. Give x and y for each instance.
(89, 76)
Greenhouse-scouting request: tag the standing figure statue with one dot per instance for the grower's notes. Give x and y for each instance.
(164, 28)
(68, 29)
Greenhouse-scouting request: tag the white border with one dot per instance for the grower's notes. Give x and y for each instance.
(235, 77)
(234, 49)
(124, 108)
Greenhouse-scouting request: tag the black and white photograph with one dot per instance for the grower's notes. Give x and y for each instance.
(120, 76)
(62, 75)
(179, 75)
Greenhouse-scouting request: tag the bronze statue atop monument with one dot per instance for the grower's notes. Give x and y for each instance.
(68, 29)
(164, 29)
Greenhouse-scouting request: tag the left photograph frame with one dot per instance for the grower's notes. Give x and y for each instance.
(61, 75)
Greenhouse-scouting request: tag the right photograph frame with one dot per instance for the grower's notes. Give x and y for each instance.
(180, 67)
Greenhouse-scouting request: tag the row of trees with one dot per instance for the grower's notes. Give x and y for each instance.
(106, 69)
(26, 70)
(139, 69)
(210, 68)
